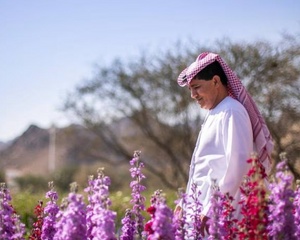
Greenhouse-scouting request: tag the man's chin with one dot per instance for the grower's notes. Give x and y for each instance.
(202, 106)
(200, 103)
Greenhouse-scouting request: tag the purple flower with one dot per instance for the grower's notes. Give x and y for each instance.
(52, 195)
(297, 210)
(90, 206)
(50, 211)
(137, 199)
(72, 221)
(281, 217)
(99, 219)
(179, 219)
(128, 226)
(216, 226)
(196, 207)
(19, 228)
(10, 225)
(104, 226)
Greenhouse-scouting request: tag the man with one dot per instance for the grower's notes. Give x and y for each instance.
(232, 130)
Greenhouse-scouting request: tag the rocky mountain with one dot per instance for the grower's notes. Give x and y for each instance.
(4, 145)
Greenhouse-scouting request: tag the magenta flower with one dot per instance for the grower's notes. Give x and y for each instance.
(155, 198)
(254, 204)
(36, 232)
(226, 219)
(161, 225)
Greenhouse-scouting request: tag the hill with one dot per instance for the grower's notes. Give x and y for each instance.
(32, 151)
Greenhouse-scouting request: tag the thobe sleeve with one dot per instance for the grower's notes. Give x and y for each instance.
(238, 146)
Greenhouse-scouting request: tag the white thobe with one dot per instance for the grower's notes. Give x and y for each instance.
(224, 145)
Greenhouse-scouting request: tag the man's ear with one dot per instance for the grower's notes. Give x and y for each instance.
(217, 80)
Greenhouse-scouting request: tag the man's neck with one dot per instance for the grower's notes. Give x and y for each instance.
(222, 94)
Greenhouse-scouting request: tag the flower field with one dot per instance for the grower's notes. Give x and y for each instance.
(272, 213)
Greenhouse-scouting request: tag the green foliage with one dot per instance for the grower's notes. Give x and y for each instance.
(120, 202)
(32, 183)
(63, 177)
(24, 203)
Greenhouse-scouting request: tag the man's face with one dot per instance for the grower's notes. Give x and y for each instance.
(204, 92)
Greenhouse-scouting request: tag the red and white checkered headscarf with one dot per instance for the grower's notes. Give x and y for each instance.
(261, 135)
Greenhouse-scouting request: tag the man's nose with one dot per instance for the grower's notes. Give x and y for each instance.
(193, 93)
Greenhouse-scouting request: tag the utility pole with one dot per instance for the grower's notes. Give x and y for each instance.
(52, 149)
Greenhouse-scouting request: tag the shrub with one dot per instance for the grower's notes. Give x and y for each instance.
(32, 183)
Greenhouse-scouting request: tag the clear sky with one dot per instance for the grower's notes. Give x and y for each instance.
(49, 46)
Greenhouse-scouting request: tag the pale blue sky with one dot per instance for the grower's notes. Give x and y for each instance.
(49, 46)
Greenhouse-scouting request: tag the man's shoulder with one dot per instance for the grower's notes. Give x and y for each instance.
(230, 104)
(231, 108)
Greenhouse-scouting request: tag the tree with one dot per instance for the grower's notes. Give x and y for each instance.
(159, 112)
(161, 118)
(271, 74)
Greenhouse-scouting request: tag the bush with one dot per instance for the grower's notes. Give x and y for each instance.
(32, 183)
(64, 177)
(2, 176)
(24, 203)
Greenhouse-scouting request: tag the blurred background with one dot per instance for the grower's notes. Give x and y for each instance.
(85, 83)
